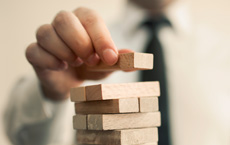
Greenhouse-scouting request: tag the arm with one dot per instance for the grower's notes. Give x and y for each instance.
(37, 112)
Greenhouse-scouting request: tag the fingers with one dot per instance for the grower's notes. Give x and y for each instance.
(99, 34)
(50, 41)
(78, 37)
(69, 28)
(40, 58)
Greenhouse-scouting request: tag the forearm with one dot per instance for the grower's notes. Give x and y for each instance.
(30, 118)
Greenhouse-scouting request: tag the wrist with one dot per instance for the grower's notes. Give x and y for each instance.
(54, 95)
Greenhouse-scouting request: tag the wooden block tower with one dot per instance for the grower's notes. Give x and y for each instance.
(118, 114)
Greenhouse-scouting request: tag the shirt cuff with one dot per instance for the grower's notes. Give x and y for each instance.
(33, 106)
(49, 107)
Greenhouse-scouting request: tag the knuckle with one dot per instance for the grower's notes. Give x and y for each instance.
(43, 33)
(60, 18)
(90, 18)
(80, 9)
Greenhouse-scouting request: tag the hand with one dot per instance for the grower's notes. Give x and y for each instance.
(64, 48)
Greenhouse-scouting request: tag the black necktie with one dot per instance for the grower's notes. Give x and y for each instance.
(158, 74)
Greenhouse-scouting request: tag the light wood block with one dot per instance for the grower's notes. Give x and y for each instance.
(108, 106)
(80, 121)
(77, 94)
(123, 121)
(115, 91)
(118, 137)
(128, 61)
(119, 91)
(149, 104)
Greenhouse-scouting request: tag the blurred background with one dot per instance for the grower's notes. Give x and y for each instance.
(19, 20)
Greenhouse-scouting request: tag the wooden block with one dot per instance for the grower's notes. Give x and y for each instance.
(77, 94)
(115, 91)
(108, 106)
(149, 104)
(119, 91)
(118, 137)
(123, 121)
(80, 121)
(128, 61)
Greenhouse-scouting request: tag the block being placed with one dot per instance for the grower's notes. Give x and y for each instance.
(123, 121)
(128, 61)
(127, 105)
(149, 104)
(118, 137)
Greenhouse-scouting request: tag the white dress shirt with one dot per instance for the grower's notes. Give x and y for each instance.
(197, 71)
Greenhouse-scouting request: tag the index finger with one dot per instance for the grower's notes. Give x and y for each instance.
(99, 34)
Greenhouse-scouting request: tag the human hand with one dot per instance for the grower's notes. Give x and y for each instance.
(66, 47)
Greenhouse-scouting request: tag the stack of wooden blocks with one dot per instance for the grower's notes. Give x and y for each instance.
(118, 114)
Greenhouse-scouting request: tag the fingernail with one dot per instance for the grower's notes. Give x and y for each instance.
(110, 56)
(93, 59)
(77, 62)
(63, 66)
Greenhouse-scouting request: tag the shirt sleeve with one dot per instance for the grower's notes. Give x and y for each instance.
(30, 118)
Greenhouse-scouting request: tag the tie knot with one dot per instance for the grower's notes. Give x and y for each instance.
(153, 24)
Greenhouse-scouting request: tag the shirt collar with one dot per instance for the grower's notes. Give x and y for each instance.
(179, 16)
(132, 18)
(177, 13)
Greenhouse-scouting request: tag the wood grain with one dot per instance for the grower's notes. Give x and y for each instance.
(108, 106)
(77, 94)
(149, 104)
(128, 61)
(118, 137)
(123, 121)
(80, 121)
(119, 91)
